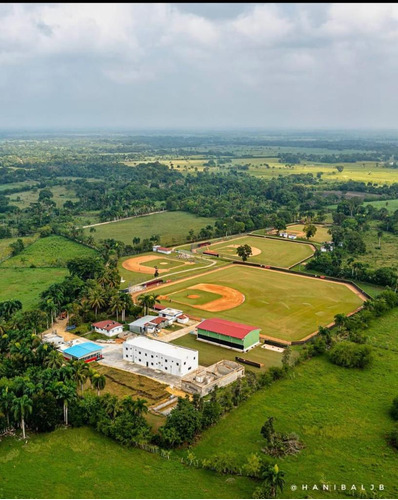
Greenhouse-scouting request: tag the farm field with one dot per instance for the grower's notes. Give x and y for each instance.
(138, 268)
(210, 354)
(25, 198)
(340, 414)
(5, 243)
(172, 227)
(267, 251)
(390, 205)
(26, 284)
(284, 306)
(80, 463)
(52, 251)
(321, 234)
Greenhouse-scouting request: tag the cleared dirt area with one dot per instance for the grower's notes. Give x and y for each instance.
(134, 264)
(229, 297)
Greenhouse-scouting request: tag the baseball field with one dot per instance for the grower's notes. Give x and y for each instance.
(285, 306)
(266, 251)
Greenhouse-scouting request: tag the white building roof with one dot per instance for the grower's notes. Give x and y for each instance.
(171, 312)
(142, 321)
(160, 347)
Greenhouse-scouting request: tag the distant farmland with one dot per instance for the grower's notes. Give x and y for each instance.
(172, 227)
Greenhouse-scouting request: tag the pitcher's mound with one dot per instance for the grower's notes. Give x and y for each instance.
(193, 296)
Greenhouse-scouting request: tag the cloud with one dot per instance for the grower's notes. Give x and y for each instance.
(199, 65)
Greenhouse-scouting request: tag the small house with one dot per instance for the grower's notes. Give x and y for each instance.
(108, 327)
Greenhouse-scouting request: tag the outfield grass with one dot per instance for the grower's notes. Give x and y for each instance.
(341, 415)
(26, 284)
(53, 251)
(80, 463)
(210, 354)
(284, 306)
(273, 252)
(172, 227)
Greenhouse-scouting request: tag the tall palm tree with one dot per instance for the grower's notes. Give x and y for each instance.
(127, 303)
(66, 392)
(50, 308)
(21, 407)
(96, 299)
(10, 307)
(98, 381)
(116, 304)
(82, 372)
(6, 402)
(54, 360)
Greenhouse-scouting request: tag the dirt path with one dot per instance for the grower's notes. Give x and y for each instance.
(124, 218)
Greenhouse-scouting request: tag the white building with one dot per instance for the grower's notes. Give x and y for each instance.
(108, 327)
(143, 325)
(159, 355)
(170, 314)
(159, 249)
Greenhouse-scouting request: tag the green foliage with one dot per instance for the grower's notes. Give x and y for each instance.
(394, 409)
(351, 355)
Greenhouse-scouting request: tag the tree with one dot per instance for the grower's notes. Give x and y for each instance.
(9, 307)
(54, 360)
(66, 392)
(286, 357)
(379, 235)
(244, 251)
(116, 304)
(86, 267)
(274, 480)
(98, 381)
(96, 299)
(351, 355)
(156, 274)
(17, 247)
(394, 409)
(310, 231)
(21, 407)
(82, 372)
(147, 301)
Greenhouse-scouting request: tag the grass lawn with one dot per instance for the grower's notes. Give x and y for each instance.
(321, 234)
(25, 198)
(210, 354)
(341, 415)
(390, 205)
(26, 284)
(284, 306)
(5, 243)
(53, 251)
(272, 252)
(386, 256)
(173, 227)
(80, 463)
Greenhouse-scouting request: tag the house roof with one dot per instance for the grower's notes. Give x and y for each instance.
(80, 350)
(159, 347)
(107, 324)
(143, 321)
(225, 327)
(158, 307)
(182, 316)
(157, 320)
(164, 249)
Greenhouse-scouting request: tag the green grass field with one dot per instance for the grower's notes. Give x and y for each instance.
(390, 205)
(173, 227)
(80, 463)
(321, 234)
(272, 252)
(340, 414)
(25, 198)
(210, 354)
(5, 250)
(285, 306)
(26, 284)
(53, 251)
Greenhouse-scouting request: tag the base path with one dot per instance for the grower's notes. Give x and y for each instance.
(229, 297)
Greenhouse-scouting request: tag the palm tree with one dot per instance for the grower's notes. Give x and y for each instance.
(379, 235)
(6, 401)
(98, 381)
(126, 304)
(50, 308)
(116, 304)
(22, 406)
(96, 299)
(82, 372)
(10, 307)
(54, 360)
(66, 392)
(147, 301)
(274, 480)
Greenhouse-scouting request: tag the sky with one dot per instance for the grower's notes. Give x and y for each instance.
(199, 66)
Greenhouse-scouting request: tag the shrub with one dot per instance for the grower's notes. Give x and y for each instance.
(392, 438)
(351, 355)
(394, 409)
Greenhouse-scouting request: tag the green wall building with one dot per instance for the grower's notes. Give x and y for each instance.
(229, 334)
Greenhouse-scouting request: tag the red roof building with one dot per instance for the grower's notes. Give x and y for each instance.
(157, 321)
(107, 325)
(229, 333)
(158, 307)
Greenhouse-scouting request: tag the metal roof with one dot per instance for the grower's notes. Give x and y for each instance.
(225, 327)
(164, 348)
(142, 321)
(84, 349)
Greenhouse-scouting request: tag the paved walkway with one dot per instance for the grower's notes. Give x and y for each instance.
(168, 337)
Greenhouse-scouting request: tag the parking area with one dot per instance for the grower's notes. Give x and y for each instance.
(113, 356)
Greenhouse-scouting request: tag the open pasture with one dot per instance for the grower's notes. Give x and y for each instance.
(320, 236)
(266, 251)
(172, 227)
(285, 306)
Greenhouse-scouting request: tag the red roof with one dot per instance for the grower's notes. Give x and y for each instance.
(157, 321)
(164, 249)
(107, 324)
(225, 327)
(158, 307)
(181, 316)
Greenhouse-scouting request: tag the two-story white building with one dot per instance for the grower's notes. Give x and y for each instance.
(158, 355)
